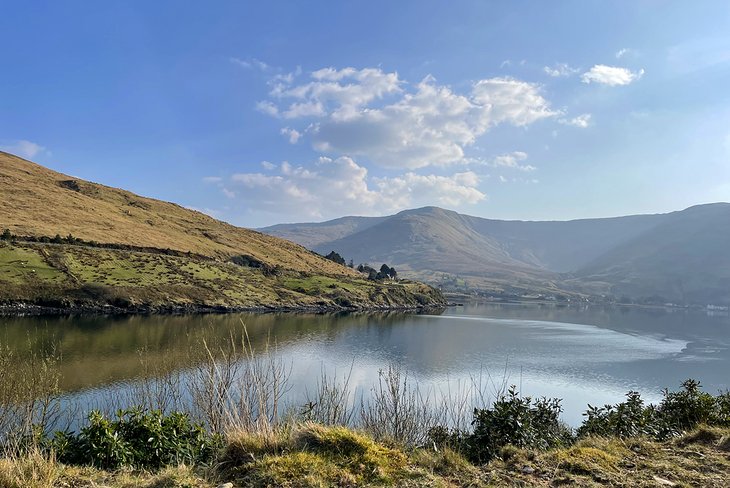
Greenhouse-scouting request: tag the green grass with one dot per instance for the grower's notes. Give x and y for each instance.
(80, 274)
(21, 265)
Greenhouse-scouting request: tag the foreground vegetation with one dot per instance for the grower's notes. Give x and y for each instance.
(226, 421)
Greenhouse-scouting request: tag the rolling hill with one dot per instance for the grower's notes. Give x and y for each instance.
(679, 257)
(135, 252)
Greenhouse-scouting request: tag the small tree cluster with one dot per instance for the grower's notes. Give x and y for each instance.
(333, 256)
(386, 272)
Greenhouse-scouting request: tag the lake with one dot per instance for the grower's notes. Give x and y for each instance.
(587, 354)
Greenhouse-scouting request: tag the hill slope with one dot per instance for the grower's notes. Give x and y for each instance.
(679, 257)
(158, 254)
(684, 259)
(39, 201)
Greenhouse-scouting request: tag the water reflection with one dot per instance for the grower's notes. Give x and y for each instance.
(584, 355)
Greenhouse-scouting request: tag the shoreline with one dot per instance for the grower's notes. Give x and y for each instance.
(32, 310)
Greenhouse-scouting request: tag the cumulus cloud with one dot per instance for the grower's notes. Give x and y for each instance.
(337, 93)
(333, 187)
(267, 108)
(582, 121)
(375, 115)
(560, 70)
(611, 75)
(292, 134)
(25, 149)
(512, 160)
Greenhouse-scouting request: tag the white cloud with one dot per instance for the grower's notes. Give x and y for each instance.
(292, 134)
(427, 124)
(560, 70)
(212, 179)
(251, 64)
(333, 187)
(511, 160)
(267, 165)
(305, 109)
(582, 121)
(25, 149)
(611, 75)
(623, 52)
(338, 93)
(267, 108)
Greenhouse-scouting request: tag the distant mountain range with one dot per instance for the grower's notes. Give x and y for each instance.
(679, 257)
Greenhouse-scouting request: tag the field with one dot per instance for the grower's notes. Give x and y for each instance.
(76, 275)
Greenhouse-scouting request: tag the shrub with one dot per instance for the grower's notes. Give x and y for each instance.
(685, 409)
(678, 412)
(517, 421)
(513, 420)
(135, 438)
(626, 419)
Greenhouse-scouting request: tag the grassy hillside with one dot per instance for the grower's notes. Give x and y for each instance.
(37, 202)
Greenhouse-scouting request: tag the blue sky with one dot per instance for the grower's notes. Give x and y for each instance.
(267, 112)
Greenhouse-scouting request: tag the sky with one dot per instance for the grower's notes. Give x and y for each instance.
(266, 112)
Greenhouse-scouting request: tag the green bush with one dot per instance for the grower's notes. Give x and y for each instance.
(513, 420)
(678, 412)
(135, 438)
(626, 419)
(685, 409)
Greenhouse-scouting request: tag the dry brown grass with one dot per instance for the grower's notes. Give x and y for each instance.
(311, 455)
(38, 201)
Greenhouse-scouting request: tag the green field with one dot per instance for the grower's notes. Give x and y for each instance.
(76, 275)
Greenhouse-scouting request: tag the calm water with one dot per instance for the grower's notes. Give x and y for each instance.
(583, 355)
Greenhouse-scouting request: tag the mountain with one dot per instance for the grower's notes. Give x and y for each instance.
(312, 234)
(683, 259)
(135, 251)
(679, 257)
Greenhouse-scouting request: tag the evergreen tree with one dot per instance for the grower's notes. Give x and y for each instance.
(333, 256)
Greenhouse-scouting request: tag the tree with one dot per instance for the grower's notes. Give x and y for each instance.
(6, 235)
(387, 272)
(333, 256)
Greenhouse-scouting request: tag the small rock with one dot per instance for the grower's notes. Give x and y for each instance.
(226, 485)
(527, 470)
(663, 482)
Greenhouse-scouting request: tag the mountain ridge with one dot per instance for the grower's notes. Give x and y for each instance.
(579, 255)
